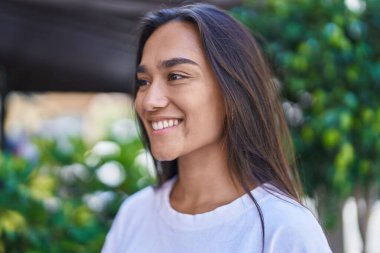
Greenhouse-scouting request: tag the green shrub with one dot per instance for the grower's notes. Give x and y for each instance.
(328, 60)
(66, 199)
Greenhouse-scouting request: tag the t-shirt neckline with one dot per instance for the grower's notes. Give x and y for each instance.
(208, 219)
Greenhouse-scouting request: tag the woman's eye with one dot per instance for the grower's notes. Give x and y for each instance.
(142, 82)
(175, 76)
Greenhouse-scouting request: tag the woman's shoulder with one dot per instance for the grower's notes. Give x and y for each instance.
(291, 225)
(277, 202)
(281, 209)
(145, 199)
(139, 199)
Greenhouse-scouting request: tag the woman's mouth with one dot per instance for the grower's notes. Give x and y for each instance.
(164, 124)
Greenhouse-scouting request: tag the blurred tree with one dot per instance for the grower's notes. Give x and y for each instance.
(327, 56)
(65, 199)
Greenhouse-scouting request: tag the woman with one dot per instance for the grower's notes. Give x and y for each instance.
(211, 117)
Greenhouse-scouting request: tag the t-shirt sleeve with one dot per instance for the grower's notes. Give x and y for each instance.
(299, 233)
(113, 238)
(129, 213)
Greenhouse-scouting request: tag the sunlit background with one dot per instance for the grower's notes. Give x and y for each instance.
(71, 151)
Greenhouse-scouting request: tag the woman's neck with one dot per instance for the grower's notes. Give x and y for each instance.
(204, 182)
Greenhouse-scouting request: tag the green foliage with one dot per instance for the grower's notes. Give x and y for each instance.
(328, 60)
(63, 202)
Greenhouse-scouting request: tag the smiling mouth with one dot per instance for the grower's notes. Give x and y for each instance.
(162, 124)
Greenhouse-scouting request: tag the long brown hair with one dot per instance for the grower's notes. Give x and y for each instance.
(258, 142)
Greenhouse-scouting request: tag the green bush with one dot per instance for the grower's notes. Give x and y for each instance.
(65, 200)
(327, 58)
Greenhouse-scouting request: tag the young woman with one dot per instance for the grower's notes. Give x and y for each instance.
(211, 117)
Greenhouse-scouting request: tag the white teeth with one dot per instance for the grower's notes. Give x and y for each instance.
(158, 125)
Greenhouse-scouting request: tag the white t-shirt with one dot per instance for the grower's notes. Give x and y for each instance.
(146, 223)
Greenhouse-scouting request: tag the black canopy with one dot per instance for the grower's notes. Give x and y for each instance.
(71, 45)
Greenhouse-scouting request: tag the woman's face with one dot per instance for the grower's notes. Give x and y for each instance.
(179, 100)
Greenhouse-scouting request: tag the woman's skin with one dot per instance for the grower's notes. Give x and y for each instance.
(178, 85)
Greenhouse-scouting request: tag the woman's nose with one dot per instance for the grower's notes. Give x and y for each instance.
(155, 98)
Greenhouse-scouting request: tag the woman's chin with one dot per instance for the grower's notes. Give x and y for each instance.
(164, 156)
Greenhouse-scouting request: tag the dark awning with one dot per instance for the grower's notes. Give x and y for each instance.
(63, 45)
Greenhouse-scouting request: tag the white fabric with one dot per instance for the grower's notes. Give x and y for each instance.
(146, 222)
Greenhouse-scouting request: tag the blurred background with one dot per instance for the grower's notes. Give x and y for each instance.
(70, 148)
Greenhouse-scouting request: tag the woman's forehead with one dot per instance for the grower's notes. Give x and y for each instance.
(173, 40)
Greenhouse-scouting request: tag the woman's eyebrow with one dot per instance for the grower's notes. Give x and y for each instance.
(176, 61)
(168, 64)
